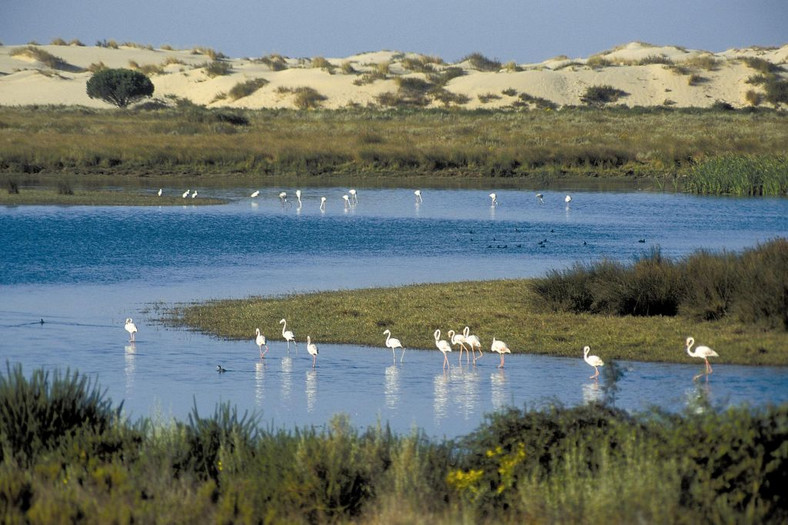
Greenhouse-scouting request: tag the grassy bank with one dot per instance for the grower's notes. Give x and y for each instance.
(733, 303)
(656, 147)
(82, 197)
(593, 464)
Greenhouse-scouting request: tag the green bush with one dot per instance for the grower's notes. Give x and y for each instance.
(481, 62)
(601, 95)
(120, 87)
(217, 68)
(246, 88)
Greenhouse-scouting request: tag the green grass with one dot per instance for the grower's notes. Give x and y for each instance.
(589, 464)
(92, 197)
(539, 148)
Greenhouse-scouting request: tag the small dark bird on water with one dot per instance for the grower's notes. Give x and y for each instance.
(220, 369)
(42, 321)
(642, 240)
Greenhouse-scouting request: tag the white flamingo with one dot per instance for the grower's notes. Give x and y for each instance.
(194, 194)
(702, 352)
(261, 342)
(312, 349)
(298, 196)
(288, 335)
(593, 360)
(131, 328)
(393, 343)
(283, 197)
(473, 342)
(493, 199)
(417, 193)
(443, 346)
(347, 201)
(500, 348)
(567, 200)
(160, 191)
(459, 339)
(353, 195)
(322, 204)
(540, 197)
(186, 193)
(255, 193)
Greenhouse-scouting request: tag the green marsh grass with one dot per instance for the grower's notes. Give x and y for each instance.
(94, 197)
(592, 463)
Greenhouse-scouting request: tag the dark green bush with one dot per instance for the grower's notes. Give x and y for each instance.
(119, 86)
(601, 95)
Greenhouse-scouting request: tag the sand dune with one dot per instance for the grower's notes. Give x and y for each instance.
(649, 75)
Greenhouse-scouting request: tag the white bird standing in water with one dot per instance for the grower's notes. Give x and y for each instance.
(443, 346)
(567, 200)
(702, 352)
(322, 204)
(160, 190)
(194, 195)
(393, 343)
(417, 193)
(312, 349)
(592, 360)
(347, 200)
(131, 328)
(261, 342)
(298, 196)
(255, 193)
(186, 193)
(540, 197)
(473, 342)
(283, 197)
(493, 199)
(459, 339)
(500, 348)
(353, 195)
(288, 335)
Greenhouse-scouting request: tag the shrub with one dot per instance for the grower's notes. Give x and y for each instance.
(777, 92)
(598, 62)
(601, 95)
(307, 98)
(119, 86)
(753, 98)
(484, 98)
(481, 62)
(46, 58)
(246, 88)
(509, 92)
(58, 42)
(275, 62)
(347, 68)
(443, 77)
(217, 68)
(759, 64)
(64, 188)
(322, 63)
(695, 79)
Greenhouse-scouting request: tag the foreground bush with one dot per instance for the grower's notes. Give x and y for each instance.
(120, 87)
(592, 464)
(753, 286)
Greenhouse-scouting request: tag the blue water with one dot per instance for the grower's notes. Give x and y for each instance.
(85, 269)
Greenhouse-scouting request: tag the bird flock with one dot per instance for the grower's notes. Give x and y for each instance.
(464, 341)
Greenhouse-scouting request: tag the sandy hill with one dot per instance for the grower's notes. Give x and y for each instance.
(647, 75)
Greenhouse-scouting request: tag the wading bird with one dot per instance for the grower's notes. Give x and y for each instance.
(312, 349)
(353, 195)
(417, 193)
(540, 197)
(347, 200)
(322, 204)
(255, 193)
(298, 197)
(283, 197)
(261, 342)
(702, 352)
(568, 199)
(288, 335)
(393, 343)
(160, 191)
(185, 194)
(194, 195)
(443, 346)
(130, 327)
(473, 342)
(493, 199)
(592, 360)
(459, 339)
(500, 348)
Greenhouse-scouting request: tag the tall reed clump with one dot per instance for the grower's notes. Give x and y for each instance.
(36, 414)
(752, 286)
(740, 175)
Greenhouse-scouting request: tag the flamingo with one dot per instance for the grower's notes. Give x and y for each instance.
(160, 190)
(494, 199)
(194, 195)
(540, 197)
(703, 352)
(130, 327)
(459, 339)
(592, 360)
(261, 342)
(417, 193)
(347, 200)
(568, 199)
(501, 348)
(255, 193)
(353, 195)
(473, 341)
(288, 335)
(322, 204)
(443, 346)
(185, 194)
(312, 349)
(298, 196)
(283, 197)
(393, 343)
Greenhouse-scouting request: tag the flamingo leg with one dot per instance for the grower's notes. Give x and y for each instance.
(445, 361)
(708, 367)
(402, 356)
(262, 354)
(501, 365)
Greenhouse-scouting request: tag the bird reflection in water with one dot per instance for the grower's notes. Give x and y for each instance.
(259, 375)
(440, 387)
(592, 393)
(699, 398)
(391, 387)
(498, 390)
(469, 395)
(130, 367)
(311, 390)
(287, 376)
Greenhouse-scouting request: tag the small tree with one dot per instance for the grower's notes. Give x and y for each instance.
(119, 86)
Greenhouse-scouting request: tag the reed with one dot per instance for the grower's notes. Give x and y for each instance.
(590, 463)
(740, 175)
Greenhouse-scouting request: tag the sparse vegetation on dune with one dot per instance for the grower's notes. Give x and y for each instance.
(552, 465)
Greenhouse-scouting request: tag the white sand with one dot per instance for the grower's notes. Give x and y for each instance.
(24, 81)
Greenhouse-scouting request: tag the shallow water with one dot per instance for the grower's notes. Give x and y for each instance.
(83, 270)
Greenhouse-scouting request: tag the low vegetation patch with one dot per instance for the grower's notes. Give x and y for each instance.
(601, 95)
(246, 88)
(69, 454)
